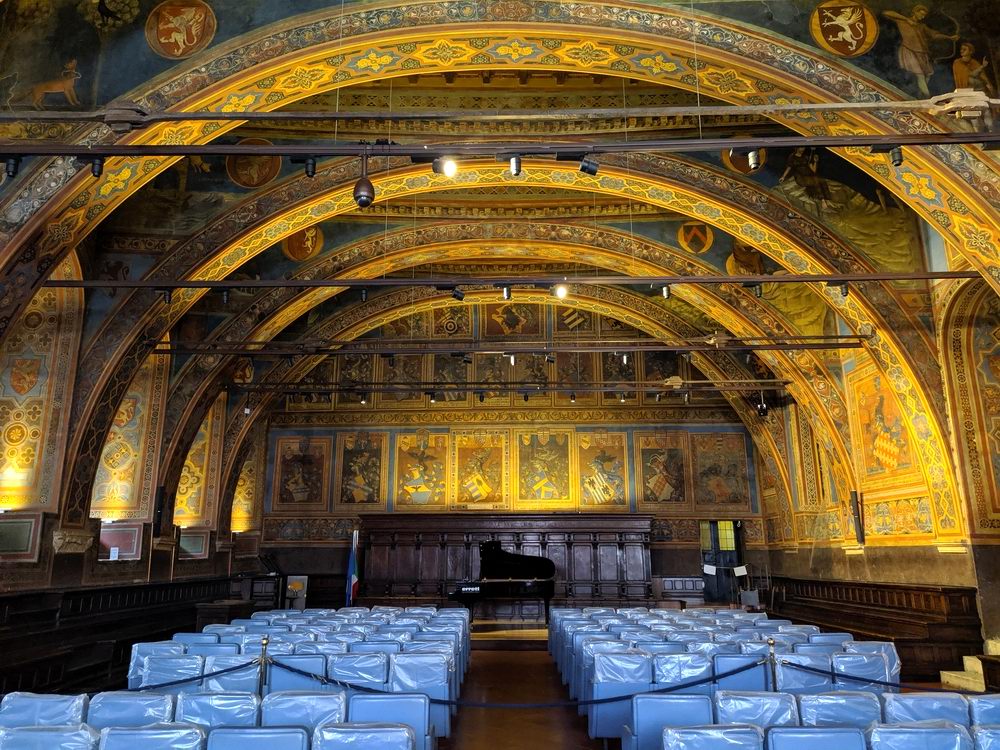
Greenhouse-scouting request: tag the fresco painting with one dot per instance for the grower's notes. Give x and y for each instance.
(422, 468)
(401, 368)
(480, 470)
(719, 466)
(542, 470)
(512, 319)
(662, 470)
(361, 469)
(603, 470)
(572, 369)
(302, 475)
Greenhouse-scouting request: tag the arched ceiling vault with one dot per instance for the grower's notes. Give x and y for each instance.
(954, 190)
(383, 309)
(779, 242)
(200, 379)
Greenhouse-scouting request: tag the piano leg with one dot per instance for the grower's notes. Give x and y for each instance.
(471, 606)
(548, 601)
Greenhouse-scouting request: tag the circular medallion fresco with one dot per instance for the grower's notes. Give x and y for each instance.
(176, 29)
(739, 161)
(695, 237)
(253, 171)
(843, 28)
(303, 245)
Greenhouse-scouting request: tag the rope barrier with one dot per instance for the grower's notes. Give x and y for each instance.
(198, 678)
(872, 681)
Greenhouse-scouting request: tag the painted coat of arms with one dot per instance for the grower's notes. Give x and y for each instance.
(24, 374)
(177, 29)
(843, 28)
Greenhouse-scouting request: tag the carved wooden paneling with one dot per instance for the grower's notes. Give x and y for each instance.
(422, 557)
(933, 627)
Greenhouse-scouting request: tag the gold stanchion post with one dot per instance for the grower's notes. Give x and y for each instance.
(262, 670)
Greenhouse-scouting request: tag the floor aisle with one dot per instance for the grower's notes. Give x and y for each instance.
(516, 677)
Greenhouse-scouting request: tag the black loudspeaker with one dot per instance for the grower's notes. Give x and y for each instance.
(158, 511)
(859, 521)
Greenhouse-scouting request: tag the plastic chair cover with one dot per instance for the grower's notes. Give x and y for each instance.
(344, 637)
(212, 649)
(154, 648)
(651, 713)
(688, 636)
(873, 666)
(792, 680)
(828, 649)
(627, 667)
(675, 669)
(374, 647)
(79, 737)
(189, 638)
(371, 670)
(408, 709)
(984, 709)
(843, 708)
(662, 647)
(912, 707)
(162, 670)
(259, 738)
(759, 709)
(986, 737)
(303, 708)
(712, 648)
(213, 710)
(239, 681)
(878, 647)
(279, 679)
(713, 738)
(752, 680)
(35, 710)
(928, 735)
(124, 709)
(816, 738)
(327, 648)
(835, 638)
(153, 737)
(363, 737)
(413, 673)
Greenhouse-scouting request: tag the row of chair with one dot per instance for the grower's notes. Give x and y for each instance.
(348, 736)
(942, 736)
(651, 714)
(209, 711)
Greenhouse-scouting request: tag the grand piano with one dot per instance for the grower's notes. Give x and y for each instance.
(505, 575)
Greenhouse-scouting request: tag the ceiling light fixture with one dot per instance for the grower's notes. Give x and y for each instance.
(621, 398)
(482, 396)
(167, 296)
(666, 291)
(511, 360)
(364, 190)
(589, 166)
(515, 165)
(364, 294)
(896, 156)
(560, 291)
(505, 292)
(433, 397)
(758, 290)
(572, 398)
(458, 294)
(762, 407)
(11, 166)
(845, 290)
(225, 296)
(445, 165)
(310, 166)
(364, 398)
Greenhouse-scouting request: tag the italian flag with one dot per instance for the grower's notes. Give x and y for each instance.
(352, 570)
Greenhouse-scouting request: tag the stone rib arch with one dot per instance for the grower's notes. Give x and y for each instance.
(773, 69)
(381, 309)
(737, 220)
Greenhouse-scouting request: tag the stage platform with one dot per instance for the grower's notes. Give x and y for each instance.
(509, 635)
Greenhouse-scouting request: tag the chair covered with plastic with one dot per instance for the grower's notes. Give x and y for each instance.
(713, 738)
(73, 737)
(154, 648)
(366, 671)
(753, 679)
(427, 674)
(411, 709)
(816, 738)
(221, 630)
(662, 647)
(375, 647)
(364, 736)
(189, 639)
(931, 735)
(38, 710)
(259, 738)
(274, 648)
(850, 669)
(651, 713)
(678, 669)
(760, 709)
(581, 682)
(837, 639)
(844, 708)
(172, 674)
(828, 649)
(879, 647)
(279, 678)
(125, 709)
(153, 737)
(985, 737)
(711, 648)
(615, 675)
(303, 708)
(212, 710)
(903, 708)
(243, 678)
(799, 681)
(327, 648)
(212, 649)
(984, 709)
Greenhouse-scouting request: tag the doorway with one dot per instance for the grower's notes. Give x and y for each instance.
(721, 549)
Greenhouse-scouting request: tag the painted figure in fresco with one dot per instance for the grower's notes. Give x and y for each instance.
(362, 482)
(803, 167)
(182, 29)
(848, 26)
(914, 55)
(65, 84)
(423, 481)
(544, 473)
(606, 485)
(970, 73)
(886, 433)
(480, 475)
(301, 473)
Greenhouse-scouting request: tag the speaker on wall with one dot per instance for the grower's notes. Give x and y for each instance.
(158, 511)
(857, 512)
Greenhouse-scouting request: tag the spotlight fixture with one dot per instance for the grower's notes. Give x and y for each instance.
(666, 291)
(896, 156)
(11, 166)
(167, 296)
(97, 166)
(505, 291)
(550, 358)
(433, 397)
(658, 397)
(364, 294)
(515, 165)
(525, 397)
(572, 398)
(621, 398)
(482, 396)
(753, 159)
(225, 296)
(246, 411)
(845, 290)
(511, 360)
(589, 166)
(560, 291)
(392, 360)
(310, 166)
(687, 397)
(364, 191)
(466, 359)
(758, 290)
(458, 294)
(624, 358)
(762, 406)
(445, 165)
(364, 398)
